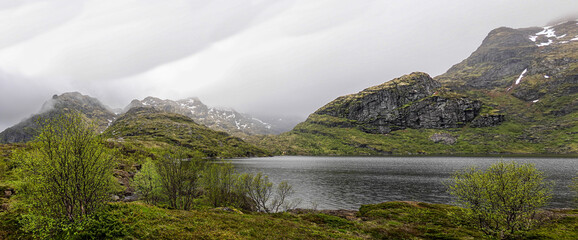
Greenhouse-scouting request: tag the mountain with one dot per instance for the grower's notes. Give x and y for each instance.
(89, 107)
(531, 64)
(227, 120)
(151, 128)
(517, 93)
(411, 101)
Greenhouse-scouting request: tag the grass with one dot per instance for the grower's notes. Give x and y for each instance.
(153, 130)
(389, 220)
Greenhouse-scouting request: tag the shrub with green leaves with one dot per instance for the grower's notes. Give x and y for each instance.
(220, 184)
(66, 174)
(147, 183)
(502, 199)
(264, 196)
(179, 177)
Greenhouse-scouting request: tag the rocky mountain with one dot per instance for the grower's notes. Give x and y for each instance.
(528, 63)
(227, 120)
(150, 128)
(517, 93)
(411, 101)
(89, 107)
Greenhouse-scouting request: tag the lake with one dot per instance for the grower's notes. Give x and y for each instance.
(349, 182)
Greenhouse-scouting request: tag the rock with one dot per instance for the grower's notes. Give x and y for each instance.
(411, 101)
(444, 138)
(488, 120)
(130, 198)
(115, 197)
(227, 209)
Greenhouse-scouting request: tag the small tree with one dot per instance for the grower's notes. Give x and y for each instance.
(260, 191)
(67, 171)
(504, 198)
(220, 185)
(147, 183)
(179, 176)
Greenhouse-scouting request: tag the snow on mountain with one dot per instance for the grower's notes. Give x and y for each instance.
(222, 119)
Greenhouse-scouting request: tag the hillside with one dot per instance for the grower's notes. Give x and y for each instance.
(517, 93)
(227, 120)
(150, 128)
(91, 108)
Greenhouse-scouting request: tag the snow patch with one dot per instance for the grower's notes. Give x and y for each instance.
(550, 34)
(546, 43)
(574, 39)
(535, 101)
(548, 31)
(546, 76)
(521, 76)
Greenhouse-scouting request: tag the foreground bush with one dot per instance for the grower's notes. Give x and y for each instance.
(503, 199)
(66, 175)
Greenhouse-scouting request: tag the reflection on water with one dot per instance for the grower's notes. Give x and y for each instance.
(349, 182)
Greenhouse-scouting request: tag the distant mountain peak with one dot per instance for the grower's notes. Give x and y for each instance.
(222, 119)
(88, 106)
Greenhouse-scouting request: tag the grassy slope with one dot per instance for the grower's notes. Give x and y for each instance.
(530, 128)
(513, 136)
(149, 129)
(390, 220)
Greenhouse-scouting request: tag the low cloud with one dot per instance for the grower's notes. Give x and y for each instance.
(280, 57)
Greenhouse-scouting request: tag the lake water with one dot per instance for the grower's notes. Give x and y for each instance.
(349, 182)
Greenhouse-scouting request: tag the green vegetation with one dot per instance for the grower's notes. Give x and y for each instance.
(66, 176)
(153, 131)
(390, 220)
(147, 183)
(503, 199)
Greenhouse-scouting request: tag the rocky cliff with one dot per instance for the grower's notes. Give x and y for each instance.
(411, 101)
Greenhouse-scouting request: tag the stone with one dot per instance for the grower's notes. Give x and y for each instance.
(444, 138)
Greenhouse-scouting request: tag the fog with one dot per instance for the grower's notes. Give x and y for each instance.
(267, 58)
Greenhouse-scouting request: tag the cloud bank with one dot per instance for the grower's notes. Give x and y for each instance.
(284, 57)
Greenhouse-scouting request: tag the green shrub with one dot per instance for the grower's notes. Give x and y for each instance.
(503, 199)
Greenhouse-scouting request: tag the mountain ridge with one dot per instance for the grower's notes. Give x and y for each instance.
(525, 79)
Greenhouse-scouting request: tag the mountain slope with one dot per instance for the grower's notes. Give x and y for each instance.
(517, 93)
(227, 120)
(91, 108)
(154, 129)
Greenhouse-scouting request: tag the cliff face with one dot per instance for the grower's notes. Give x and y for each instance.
(411, 101)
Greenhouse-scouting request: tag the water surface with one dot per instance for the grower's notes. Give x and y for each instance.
(349, 182)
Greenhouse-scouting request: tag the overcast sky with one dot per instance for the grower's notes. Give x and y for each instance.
(265, 57)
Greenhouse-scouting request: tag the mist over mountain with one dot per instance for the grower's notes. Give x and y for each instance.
(516, 94)
(277, 58)
(222, 119)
